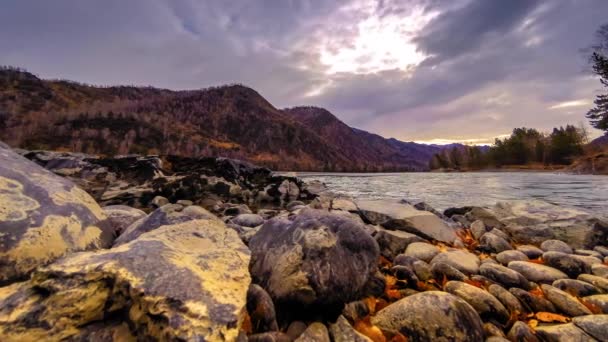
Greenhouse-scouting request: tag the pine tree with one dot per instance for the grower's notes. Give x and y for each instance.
(598, 116)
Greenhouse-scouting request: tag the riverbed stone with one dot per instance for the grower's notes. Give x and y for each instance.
(466, 262)
(556, 246)
(422, 250)
(483, 302)
(248, 220)
(422, 270)
(576, 287)
(533, 235)
(394, 242)
(261, 310)
(603, 250)
(564, 302)
(600, 301)
(589, 252)
(342, 331)
(431, 316)
(530, 251)
(43, 217)
(536, 272)
(600, 270)
(400, 216)
(566, 263)
(121, 216)
(521, 332)
(317, 262)
(478, 228)
(562, 332)
(315, 332)
(505, 257)
(484, 215)
(503, 275)
(510, 302)
(599, 282)
(180, 282)
(492, 243)
(594, 325)
(532, 302)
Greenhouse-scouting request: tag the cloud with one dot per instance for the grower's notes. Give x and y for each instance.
(569, 104)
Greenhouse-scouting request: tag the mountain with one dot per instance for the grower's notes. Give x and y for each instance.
(232, 121)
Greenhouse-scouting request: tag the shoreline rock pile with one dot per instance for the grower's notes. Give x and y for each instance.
(183, 249)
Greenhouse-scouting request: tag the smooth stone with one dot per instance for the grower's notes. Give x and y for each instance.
(588, 252)
(556, 246)
(394, 242)
(532, 303)
(431, 316)
(603, 250)
(493, 331)
(536, 272)
(295, 329)
(355, 311)
(261, 310)
(121, 216)
(342, 331)
(506, 257)
(422, 250)
(566, 263)
(478, 228)
(521, 332)
(484, 215)
(422, 270)
(564, 302)
(600, 301)
(503, 275)
(159, 201)
(562, 332)
(185, 203)
(589, 261)
(489, 261)
(483, 302)
(344, 204)
(491, 243)
(530, 235)
(273, 336)
(530, 251)
(405, 260)
(506, 298)
(442, 270)
(594, 325)
(576, 287)
(600, 270)
(463, 261)
(248, 220)
(316, 332)
(599, 282)
(406, 274)
(500, 233)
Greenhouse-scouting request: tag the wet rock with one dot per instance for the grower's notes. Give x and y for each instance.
(506, 257)
(342, 331)
(484, 215)
(588, 252)
(576, 287)
(534, 235)
(587, 260)
(530, 251)
(603, 250)
(399, 216)
(159, 201)
(599, 282)
(422, 250)
(394, 242)
(43, 217)
(532, 302)
(478, 228)
(600, 301)
(248, 220)
(506, 298)
(491, 243)
(274, 336)
(562, 332)
(536, 272)
(261, 310)
(166, 215)
(503, 275)
(484, 303)
(316, 332)
(422, 270)
(182, 282)
(295, 329)
(600, 270)
(463, 261)
(318, 261)
(442, 270)
(556, 246)
(564, 302)
(431, 316)
(521, 332)
(566, 263)
(121, 216)
(594, 325)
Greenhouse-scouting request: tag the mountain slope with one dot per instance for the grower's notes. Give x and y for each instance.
(232, 121)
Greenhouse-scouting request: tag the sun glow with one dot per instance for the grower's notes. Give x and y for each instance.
(381, 43)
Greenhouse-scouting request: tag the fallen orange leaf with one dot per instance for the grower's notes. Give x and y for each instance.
(537, 291)
(474, 283)
(594, 308)
(532, 323)
(398, 338)
(393, 294)
(548, 317)
(365, 327)
(537, 261)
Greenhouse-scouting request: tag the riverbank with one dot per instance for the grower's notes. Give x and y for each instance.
(216, 249)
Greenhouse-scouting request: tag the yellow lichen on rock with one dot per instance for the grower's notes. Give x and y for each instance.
(14, 205)
(77, 196)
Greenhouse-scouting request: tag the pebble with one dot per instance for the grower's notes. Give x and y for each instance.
(503, 275)
(491, 243)
(465, 262)
(566, 263)
(599, 282)
(593, 325)
(530, 251)
(576, 287)
(600, 301)
(316, 332)
(536, 272)
(422, 250)
(506, 298)
(483, 302)
(506, 257)
(556, 246)
(600, 270)
(532, 303)
(441, 270)
(564, 302)
(520, 331)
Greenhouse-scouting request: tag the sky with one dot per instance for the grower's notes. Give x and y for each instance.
(434, 71)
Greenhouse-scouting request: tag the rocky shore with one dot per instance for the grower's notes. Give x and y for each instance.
(163, 248)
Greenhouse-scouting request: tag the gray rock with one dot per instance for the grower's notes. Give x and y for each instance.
(603, 250)
(261, 310)
(342, 331)
(295, 329)
(530, 251)
(488, 261)
(532, 303)
(405, 260)
(521, 332)
(510, 302)
(533, 235)
(316, 332)
(600, 270)
(500, 233)
(566, 263)
(121, 216)
(588, 252)
(463, 261)
(484, 215)
(564, 302)
(431, 316)
(166, 215)
(399, 216)
(576, 287)
(394, 242)
(506, 257)
(556, 246)
(562, 332)
(319, 260)
(159, 201)
(483, 302)
(491, 243)
(600, 301)
(422, 270)
(503, 275)
(594, 325)
(441, 270)
(536, 272)
(248, 220)
(422, 250)
(478, 228)
(599, 282)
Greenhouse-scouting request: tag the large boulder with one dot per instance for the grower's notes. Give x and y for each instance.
(182, 282)
(43, 217)
(318, 261)
(401, 216)
(431, 316)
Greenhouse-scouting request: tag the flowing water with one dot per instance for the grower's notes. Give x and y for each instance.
(444, 190)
